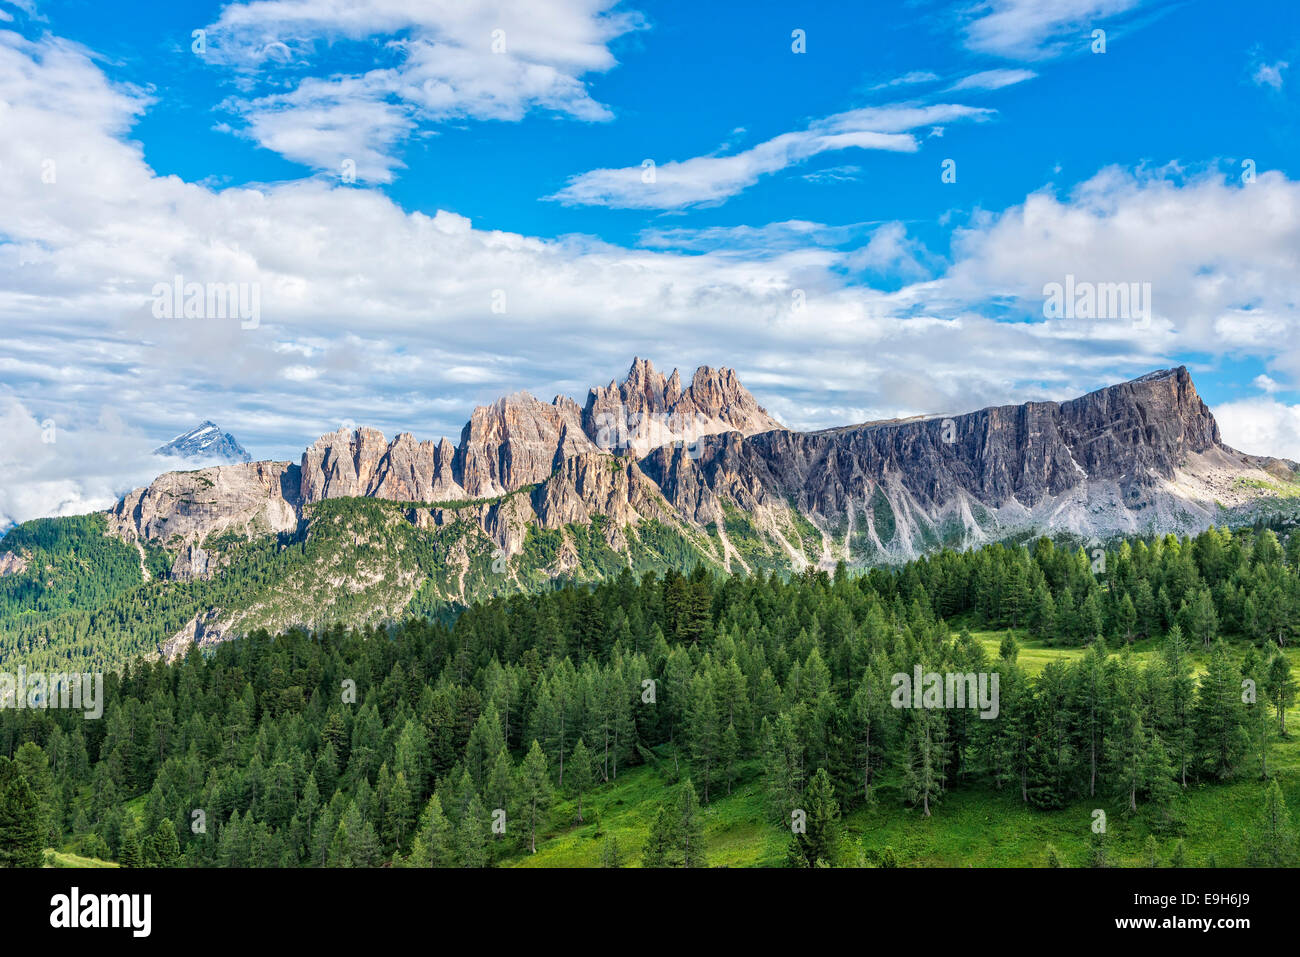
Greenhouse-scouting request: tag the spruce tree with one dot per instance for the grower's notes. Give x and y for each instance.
(610, 854)
(1273, 843)
(535, 792)
(817, 842)
(1219, 715)
(580, 774)
(21, 842)
(1279, 686)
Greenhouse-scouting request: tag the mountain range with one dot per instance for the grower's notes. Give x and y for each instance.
(650, 474)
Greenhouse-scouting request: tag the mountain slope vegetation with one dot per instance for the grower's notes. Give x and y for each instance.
(672, 720)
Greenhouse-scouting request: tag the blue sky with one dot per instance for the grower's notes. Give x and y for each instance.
(500, 148)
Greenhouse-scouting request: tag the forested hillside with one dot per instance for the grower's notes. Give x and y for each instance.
(86, 600)
(688, 720)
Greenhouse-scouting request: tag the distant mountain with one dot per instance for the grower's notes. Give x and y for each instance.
(207, 443)
(650, 474)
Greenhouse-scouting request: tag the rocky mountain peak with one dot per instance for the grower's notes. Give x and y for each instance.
(648, 409)
(206, 442)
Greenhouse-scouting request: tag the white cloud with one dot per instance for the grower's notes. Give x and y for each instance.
(325, 124)
(891, 251)
(992, 80)
(1266, 384)
(1035, 29)
(1270, 74)
(835, 174)
(376, 315)
(1261, 426)
(907, 79)
(450, 60)
(754, 241)
(707, 180)
(1221, 258)
(50, 470)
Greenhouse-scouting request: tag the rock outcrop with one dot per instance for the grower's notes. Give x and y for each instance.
(1141, 455)
(180, 508)
(1102, 464)
(648, 410)
(517, 441)
(11, 563)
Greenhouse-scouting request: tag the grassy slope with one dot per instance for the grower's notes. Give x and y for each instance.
(66, 859)
(970, 827)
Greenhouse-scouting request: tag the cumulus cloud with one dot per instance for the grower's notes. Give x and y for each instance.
(1220, 256)
(51, 470)
(706, 180)
(1261, 426)
(448, 60)
(330, 123)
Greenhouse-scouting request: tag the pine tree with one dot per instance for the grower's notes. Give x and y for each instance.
(432, 846)
(689, 827)
(499, 788)
(472, 835)
(782, 768)
(166, 848)
(703, 732)
(535, 792)
(1181, 689)
(728, 754)
(610, 855)
(1219, 716)
(1128, 735)
(677, 835)
(580, 773)
(926, 747)
(1279, 686)
(1256, 721)
(1151, 852)
(21, 842)
(132, 854)
(1273, 844)
(816, 844)
(1179, 857)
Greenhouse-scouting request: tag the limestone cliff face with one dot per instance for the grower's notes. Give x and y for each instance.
(596, 483)
(362, 463)
(259, 498)
(517, 441)
(1099, 462)
(1141, 455)
(648, 410)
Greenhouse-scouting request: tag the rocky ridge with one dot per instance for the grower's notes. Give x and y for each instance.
(707, 466)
